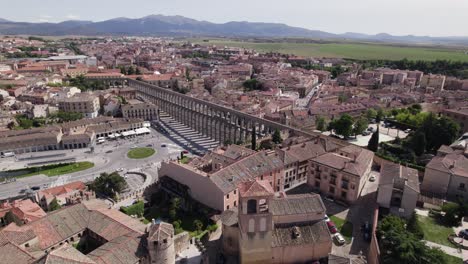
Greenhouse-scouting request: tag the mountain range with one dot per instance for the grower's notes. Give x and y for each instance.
(160, 25)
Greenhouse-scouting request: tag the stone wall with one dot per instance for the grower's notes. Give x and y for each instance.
(181, 242)
(373, 257)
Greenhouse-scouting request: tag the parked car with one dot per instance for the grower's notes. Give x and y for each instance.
(109, 151)
(372, 178)
(407, 131)
(134, 147)
(332, 227)
(370, 129)
(339, 239)
(149, 145)
(326, 219)
(163, 145)
(463, 234)
(35, 188)
(185, 151)
(365, 133)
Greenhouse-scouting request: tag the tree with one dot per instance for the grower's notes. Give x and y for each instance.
(252, 84)
(109, 184)
(438, 131)
(414, 226)
(344, 125)
(320, 123)
(137, 71)
(122, 70)
(453, 214)
(198, 225)
(277, 137)
(360, 126)
(371, 113)
(418, 143)
(130, 71)
(266, 144)
(11, 125)
(373, 144)
(1, 98)
(54, 205)
(380, 116)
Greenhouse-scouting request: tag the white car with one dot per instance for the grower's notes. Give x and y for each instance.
(339, 239)
(372, 178)
(326, 219)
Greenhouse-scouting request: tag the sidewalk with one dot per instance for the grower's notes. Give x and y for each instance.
(448, 250)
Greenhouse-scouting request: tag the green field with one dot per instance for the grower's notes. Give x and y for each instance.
(140, 153)
(55, 169)
(360, 51)
(435, 232)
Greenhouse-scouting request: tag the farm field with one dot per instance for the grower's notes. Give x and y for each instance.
(359, 51)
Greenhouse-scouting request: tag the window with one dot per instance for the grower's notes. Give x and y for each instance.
(263, 226)
(332, 190)
(261, 178)
(252, 206)
(317, 184)
(235, 203)
(251, 226)
(227, 196)
(461, 186)
(343, 194)
(235, 192)
(227, 207)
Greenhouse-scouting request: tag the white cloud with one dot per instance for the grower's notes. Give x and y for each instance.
(71, 16)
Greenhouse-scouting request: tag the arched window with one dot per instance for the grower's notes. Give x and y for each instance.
(263, 226)
(252, 206)
(251, 226)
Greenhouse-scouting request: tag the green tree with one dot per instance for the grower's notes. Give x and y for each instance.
(360, 126)
(277, 137)
(344, 126)
(453, 214)
(414, 226)
(54, 205)
(198, 225)
(266, 144)
(137, 71)
(130, 70)
(252, 84)
(109, 185)
(373, 144)
(418, 143)
(371, 113)
(380, 116)
(122, 70)
(320, 123)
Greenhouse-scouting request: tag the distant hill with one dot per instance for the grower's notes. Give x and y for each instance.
(160, 25)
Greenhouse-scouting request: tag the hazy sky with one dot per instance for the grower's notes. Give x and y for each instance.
(398, 17)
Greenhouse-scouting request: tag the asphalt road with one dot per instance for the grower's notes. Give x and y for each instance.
(108, 157)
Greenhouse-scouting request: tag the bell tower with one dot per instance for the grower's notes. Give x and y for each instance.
(255, 222)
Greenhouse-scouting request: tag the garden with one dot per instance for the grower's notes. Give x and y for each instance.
(141, 153)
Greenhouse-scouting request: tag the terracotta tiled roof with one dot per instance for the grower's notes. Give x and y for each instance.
(255, 188)
(67, 254)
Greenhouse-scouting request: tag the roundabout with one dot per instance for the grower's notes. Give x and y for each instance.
(141, 153)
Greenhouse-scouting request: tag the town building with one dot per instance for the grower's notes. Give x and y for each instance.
(220, 171)
(269, 229)
(84, 103)
(109, 235)
(342, 174)
(398, 189)
(139, 109)
(20, 212)
(446, 175)
(68, 194)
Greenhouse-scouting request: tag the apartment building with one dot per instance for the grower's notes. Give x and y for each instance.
(434, 81)
(398, 189)
(447, 173)
(342, 174)
(220, 173)
(139, 109)
(85, 103)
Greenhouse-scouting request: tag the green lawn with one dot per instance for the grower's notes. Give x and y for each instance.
(140, 153)
(361, 51)
(55, 169)
(452, 260)
(185, 160)
(434, 231)
(344, 227)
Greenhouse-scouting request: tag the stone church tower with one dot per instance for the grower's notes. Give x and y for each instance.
(255, 222)
(161, 243)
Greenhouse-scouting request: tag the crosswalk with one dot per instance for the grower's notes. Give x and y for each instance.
(186, 136)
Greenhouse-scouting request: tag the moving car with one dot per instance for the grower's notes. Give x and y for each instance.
(332, 227)
(163, 145)
(339, 239)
